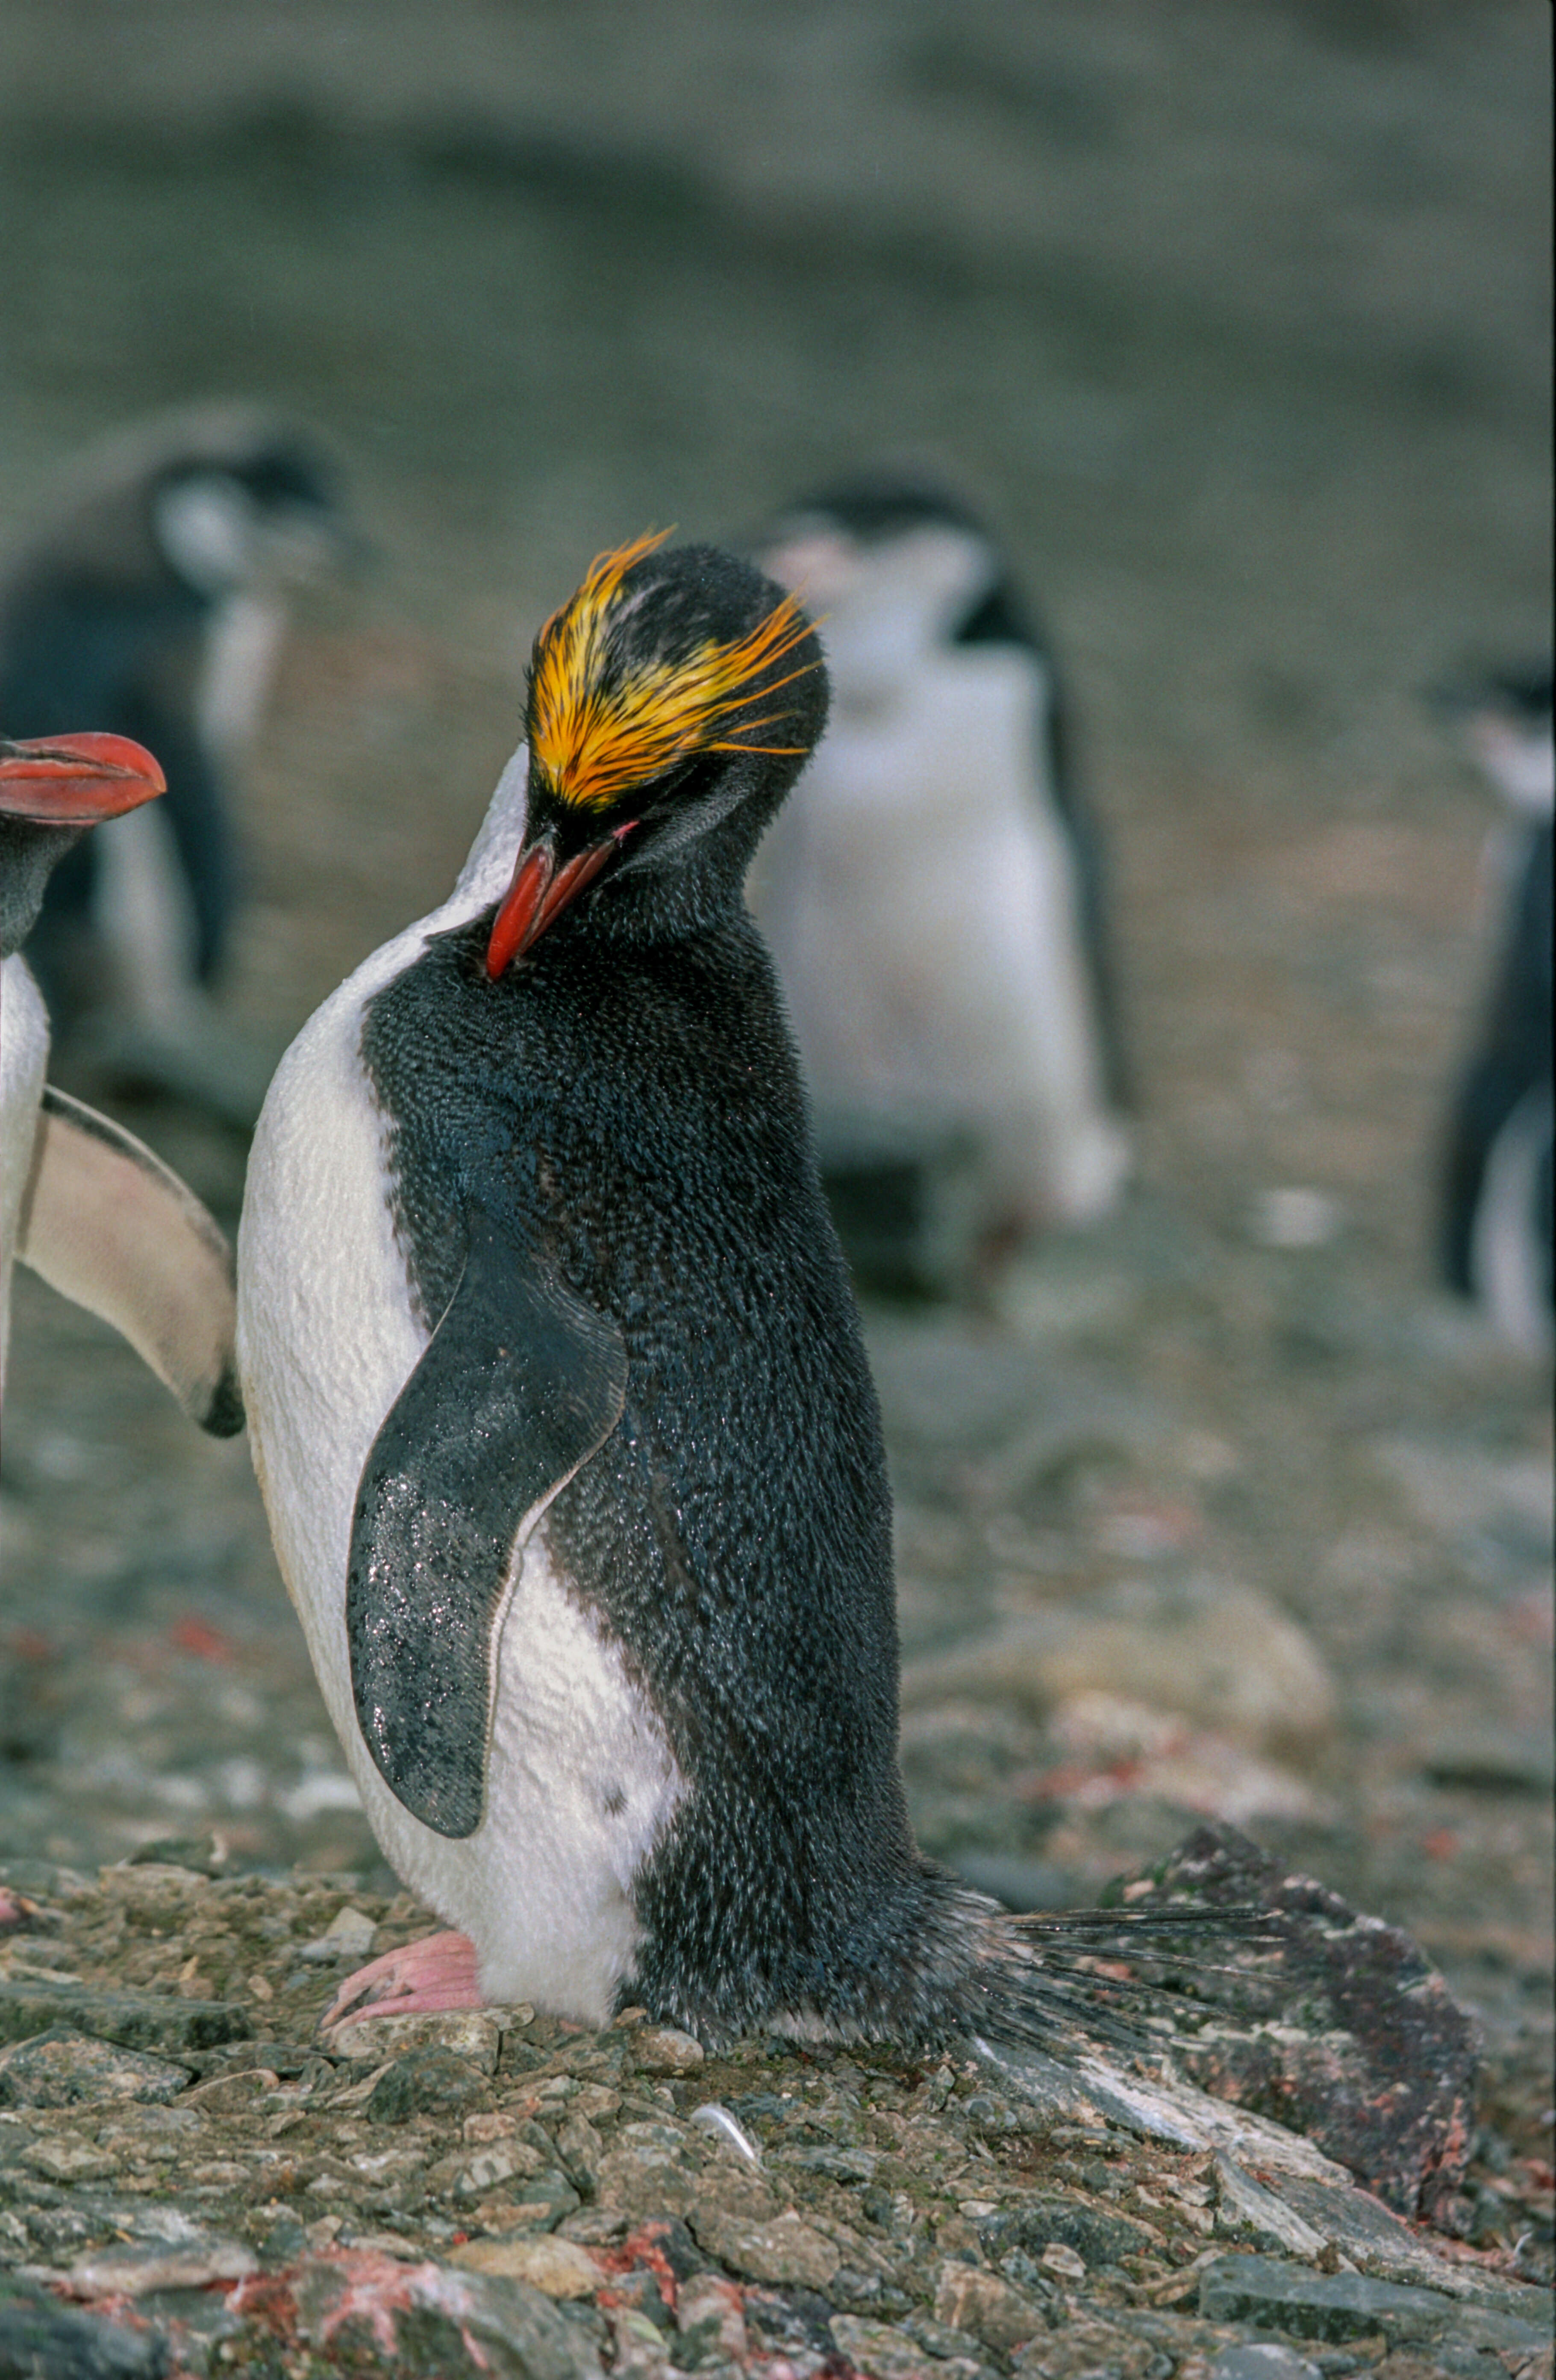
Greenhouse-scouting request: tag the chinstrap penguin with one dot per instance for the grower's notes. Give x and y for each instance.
(1497, 1187)
(934, 891)
(152, 600)
(81, 1201)
(560, 1407)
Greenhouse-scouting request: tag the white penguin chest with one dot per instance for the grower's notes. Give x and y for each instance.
(579, 1779)
(24, 1054)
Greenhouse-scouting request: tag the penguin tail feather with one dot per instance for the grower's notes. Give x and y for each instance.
(1075, 1981)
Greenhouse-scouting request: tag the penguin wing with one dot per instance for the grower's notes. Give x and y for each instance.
(520, 1383)
(110, 1226)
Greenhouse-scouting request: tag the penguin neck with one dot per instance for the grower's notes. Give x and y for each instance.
(29, 856)
(695, 889)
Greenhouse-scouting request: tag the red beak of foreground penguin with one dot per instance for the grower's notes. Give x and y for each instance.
(76, 780)
(539, 893)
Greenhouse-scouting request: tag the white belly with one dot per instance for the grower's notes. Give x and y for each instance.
(580, 1780)
(24, 1056)
(924, 915)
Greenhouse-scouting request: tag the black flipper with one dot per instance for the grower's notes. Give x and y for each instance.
(520, 1384)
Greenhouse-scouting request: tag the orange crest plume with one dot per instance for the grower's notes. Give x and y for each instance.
(596, 732)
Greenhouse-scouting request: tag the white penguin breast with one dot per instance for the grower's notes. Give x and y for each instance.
(24, 1056)
(580, 1780)
(924, 913)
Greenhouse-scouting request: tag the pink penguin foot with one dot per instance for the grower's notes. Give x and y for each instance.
(439, 1972)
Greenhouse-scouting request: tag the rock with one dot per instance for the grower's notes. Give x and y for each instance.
(556, 2267)
(887, 2353)
(475, 2034)
(1264, 2359)
(1335, 2307)
(435, 2323)
(69, 2160)
(62, 2067)
(1037, 2222)
(581, 2150)
(660, 2049)
(785, 2249)
(1242, 2206)
(709, 2317)
(1351, 2039)
(197, 1854)
(534, 2202)
(134, 2020)
(349, 1936)
(969, 2299)
(1221, 1654)
(1294, 1218)
(1063, 2263)
(425, 2082)
(55, 2342)
(134, 2272)
(638, 2177)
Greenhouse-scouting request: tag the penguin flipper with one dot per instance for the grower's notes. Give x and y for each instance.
(520, 1384)
(110, 1226)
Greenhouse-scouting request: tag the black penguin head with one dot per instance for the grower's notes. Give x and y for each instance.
(902, 566)
(51, 792)
(672, 703)
(252, 502)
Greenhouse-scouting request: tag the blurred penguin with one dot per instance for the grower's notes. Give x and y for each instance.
(934, 895)
(1497, 1219)
(153, 603)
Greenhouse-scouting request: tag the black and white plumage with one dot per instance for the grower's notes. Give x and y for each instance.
(152, 600)
(934, 894)
(81, 1201)
(559, 1402)
(1497, 1208)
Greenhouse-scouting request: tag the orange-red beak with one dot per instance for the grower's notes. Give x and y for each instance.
(539, 893)
(76, 780)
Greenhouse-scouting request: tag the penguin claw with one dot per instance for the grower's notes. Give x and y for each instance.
(439, 1972)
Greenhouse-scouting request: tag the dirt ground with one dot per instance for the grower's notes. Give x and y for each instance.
(1238, 316)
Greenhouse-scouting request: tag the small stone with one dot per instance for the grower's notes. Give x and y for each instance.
(661, 2049)
(595, 2226)
(69, 2160)
(786, 2250)
(134, 2272)
(348, 1935)
(580, 2149)
(1061, 2261)
(878, 2348)
(1262, 2360)
(1293, 1217)
(1335, 2307)
(471, 2034)
(1221, 1653)
(424, 2083)
(555, 2267)
(39, 2335)
(535, 2203)
(62, 2067)
(134, 2020)
(1037, 2220)
(968, 2299)
(435, 2319)
(709, 2317)
(490, 2166)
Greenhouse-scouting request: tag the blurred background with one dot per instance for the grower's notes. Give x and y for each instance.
(1235, 315)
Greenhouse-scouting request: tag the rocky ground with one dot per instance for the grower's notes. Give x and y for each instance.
(1219, 1514)
(194, 2180)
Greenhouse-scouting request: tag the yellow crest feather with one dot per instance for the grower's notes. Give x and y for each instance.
(594, 742)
